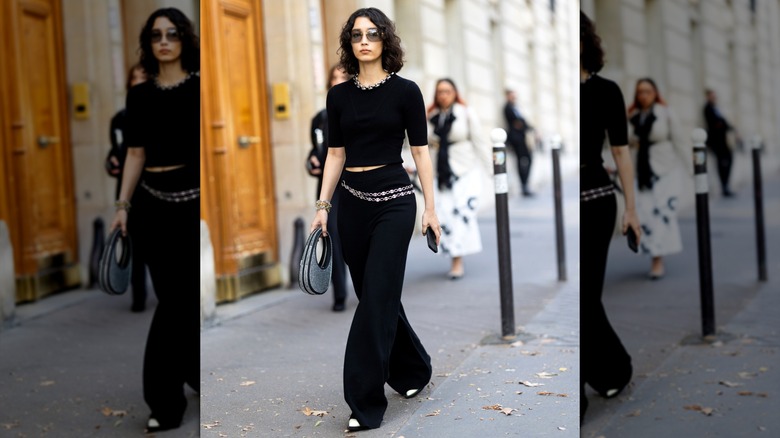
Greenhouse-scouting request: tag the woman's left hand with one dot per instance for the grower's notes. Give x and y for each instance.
(429, 219)
(630, 219)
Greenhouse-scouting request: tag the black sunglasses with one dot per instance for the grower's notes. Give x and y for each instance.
(372, 34)
(172, 35)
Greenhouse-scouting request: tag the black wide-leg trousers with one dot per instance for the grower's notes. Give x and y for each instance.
(605, 363)
(170, 235)
(382, 346)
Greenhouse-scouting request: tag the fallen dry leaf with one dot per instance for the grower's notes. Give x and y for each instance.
(545, 393)
(518, 392)
(517, 344)
(746, 375)
(434, 413)
(307, 411)
(507, 411)
(211, 425)
(562, 369)
(247, 383)
(9, 426)
(561, 428)
(495, 407)
(705, 411)
(47, 383)
(634, 413)
(531, 384)
(729, 384)
(317, 423)
(108, 412)
(545, 375)
(531, 353)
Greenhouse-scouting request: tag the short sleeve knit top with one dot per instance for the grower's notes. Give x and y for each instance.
(602, 113)
(371, 124)
(165, 122)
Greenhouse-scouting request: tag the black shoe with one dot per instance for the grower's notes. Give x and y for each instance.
(339, 306)
(528, 194)
(353, 425)
(728, 193)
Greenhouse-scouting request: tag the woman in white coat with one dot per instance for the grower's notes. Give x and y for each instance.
(455, 128)
(660, 173)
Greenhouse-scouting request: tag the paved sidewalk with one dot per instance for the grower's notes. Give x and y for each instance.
(272, 357)
(730, 388)
(71, 367)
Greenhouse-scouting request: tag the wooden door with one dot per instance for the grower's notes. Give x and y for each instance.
(39, 181)
(239, 204)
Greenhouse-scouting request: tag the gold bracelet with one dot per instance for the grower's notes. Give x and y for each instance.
(323, 205)
(122, 205)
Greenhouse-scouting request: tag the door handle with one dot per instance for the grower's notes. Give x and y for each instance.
(44, 141)
(245, 140)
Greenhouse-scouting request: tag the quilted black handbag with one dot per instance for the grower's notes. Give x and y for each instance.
(114, 270)
(313, 274)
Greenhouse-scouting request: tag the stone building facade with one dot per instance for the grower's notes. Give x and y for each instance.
(687, 46)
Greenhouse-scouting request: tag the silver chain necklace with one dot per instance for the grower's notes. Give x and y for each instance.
(174, 85)
(370, 87)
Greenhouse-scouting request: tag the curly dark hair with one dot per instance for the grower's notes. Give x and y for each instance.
(392, 53)
(592, 56)
(190, 44)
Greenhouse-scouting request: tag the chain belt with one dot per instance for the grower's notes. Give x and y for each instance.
(184, 195)
(596, 193)
(380, 196)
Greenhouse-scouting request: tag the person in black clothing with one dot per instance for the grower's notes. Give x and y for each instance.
(114, 163)
(163, 158)
(367, 119)
(517, 128)
(315, 164)
(604, 363)
(717, 127)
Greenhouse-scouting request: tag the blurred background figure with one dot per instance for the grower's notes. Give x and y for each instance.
(717, 128)
(517, 128)
(115, 162)
(315, 164)
(659, 173)
(455, 128)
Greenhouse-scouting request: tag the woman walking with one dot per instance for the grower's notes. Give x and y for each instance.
(163, 140)
(605, 364)
(659, 172)
(456, 129)
(367, 119)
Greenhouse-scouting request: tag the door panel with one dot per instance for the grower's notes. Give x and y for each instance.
(240, 208)
(40, 180)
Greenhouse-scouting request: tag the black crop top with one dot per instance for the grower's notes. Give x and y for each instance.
(370, 124)
(165, 122)
(602, 111)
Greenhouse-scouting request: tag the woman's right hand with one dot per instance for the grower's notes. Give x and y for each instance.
(320, 221)
(120, 221)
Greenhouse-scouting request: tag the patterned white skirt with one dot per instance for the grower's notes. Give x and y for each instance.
(457, 211)
(657, 210)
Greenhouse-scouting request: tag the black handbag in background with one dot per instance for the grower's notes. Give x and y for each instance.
(114, 270)
(313, 274)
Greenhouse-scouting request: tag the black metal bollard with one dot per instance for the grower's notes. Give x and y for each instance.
(498, 136)
(758, 200)
(98, 243)
(699, 137)
(297, 251)
(558, 198)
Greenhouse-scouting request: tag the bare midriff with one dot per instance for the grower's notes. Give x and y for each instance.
(363, 168)
(163, 168)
